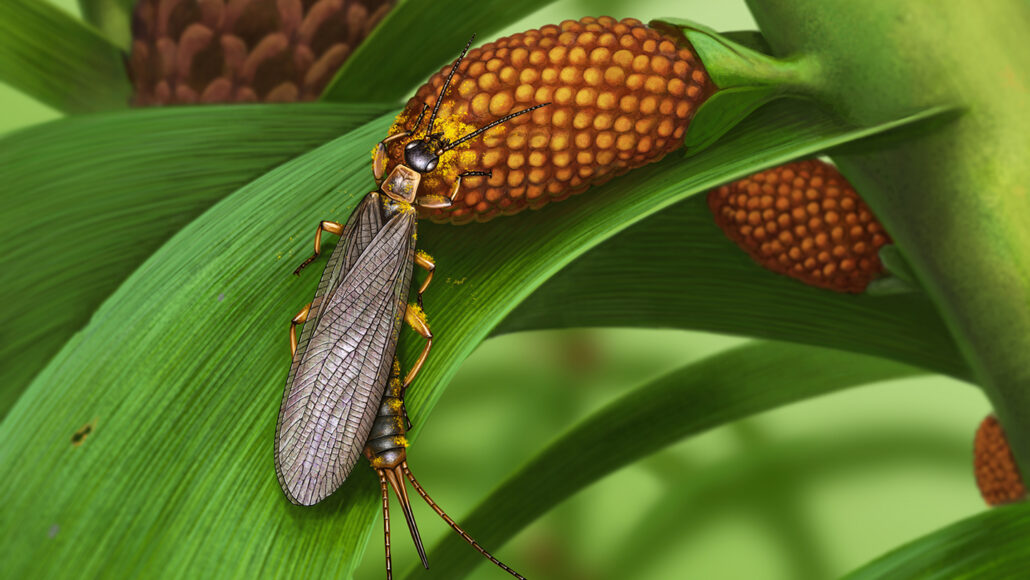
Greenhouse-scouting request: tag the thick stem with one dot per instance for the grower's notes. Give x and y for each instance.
(955, 201)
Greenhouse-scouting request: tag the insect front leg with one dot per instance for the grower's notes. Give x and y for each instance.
(440, 202)
(379, 161)
(424, 260)
(323, 226)
(416, 319)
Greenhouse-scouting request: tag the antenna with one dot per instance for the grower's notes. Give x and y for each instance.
(418, 122)
(492, 125)
(447, 83)
(450, 522)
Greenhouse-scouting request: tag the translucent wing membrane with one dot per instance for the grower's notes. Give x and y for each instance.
(344, 355)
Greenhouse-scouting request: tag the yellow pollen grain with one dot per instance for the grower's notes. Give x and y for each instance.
(600, 56)
(560, 117)
(586, 97)
(481, 104)
(614, 76)
(578, 55)
(508, 75)
(640, 63)
(602, 121)
(623, 58)
(557, 55)
(500, 104)
(524, 93)
(570, 75)
(563, 96)
(593, 76)
(655, 84)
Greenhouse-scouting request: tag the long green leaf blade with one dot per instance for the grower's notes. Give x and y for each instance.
(182, 367)
(989, 545)
(679, 270)
(116, 186)
(49, 55)
(113, 18)
(393, 52)
(723, 388)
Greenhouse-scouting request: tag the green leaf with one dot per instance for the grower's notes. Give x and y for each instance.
(746, 78)
(397, 60)
(717, 390)
(678, 270)
(721, 112)
(111, 17)
(113, 188)
(895, 263)
(772, 482)
(989, 545)
(54, 58)
(182, 367)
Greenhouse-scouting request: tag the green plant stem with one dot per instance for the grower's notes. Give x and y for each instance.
(955, 201)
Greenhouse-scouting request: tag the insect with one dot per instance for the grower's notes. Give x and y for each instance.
(344, 394)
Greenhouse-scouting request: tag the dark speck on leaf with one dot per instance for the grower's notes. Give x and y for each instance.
(221, 296)
(53, 530)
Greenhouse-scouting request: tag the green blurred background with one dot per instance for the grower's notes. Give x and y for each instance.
(807, 491)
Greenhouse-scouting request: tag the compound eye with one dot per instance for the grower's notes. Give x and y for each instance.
(432, 164)
(411, 146)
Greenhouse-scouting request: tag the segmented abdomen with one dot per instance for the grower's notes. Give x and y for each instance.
(387, 442)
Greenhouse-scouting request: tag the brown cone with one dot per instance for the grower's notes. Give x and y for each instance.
(216, 51)
(804, 220)
(621, 95)
(997, 474)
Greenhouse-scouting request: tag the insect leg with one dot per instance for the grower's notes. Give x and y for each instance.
(417, 320)
(323, 226)
(386, 522)
(300, 318)
(439, 202)
(379, 161)
(424, 260)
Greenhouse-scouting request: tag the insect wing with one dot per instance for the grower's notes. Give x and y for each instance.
(336, 383)
(362, 226)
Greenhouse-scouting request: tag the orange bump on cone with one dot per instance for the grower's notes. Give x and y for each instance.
(621, 95)
(997, 475)
(804, 220)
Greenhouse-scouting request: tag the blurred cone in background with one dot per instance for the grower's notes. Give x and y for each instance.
(997, 474)
(218, 51)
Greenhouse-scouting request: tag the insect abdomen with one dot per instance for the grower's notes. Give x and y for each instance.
(621, 95)
(387, 442)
